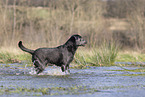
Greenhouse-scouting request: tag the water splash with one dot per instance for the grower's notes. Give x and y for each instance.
(49, 71)
(32, 71)
(25, 69)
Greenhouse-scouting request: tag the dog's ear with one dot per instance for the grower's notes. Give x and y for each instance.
(73, 39)
(71, 44)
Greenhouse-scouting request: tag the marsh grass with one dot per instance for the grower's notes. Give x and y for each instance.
(130, 56)
(105, 55)
(6, 57)
(13, 55)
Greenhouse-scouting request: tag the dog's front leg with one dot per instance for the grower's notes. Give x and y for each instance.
(67, 71)
(67, 68)
(62, 68)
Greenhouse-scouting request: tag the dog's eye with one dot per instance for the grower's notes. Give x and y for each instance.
(81, 39)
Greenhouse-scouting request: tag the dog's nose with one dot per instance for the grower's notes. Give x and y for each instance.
(85, 42)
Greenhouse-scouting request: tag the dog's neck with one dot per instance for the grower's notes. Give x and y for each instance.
(71, 47)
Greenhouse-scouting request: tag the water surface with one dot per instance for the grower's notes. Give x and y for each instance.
(18, 80)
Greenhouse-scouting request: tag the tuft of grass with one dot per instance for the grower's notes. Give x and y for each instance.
(105, 55)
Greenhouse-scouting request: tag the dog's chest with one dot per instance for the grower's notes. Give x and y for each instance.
(68, 57)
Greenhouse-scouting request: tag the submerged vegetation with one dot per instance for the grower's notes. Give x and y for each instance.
(48, 90)
(74, 90)
(132, 70)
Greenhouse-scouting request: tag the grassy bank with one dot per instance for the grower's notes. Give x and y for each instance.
(13, 55)
(103, 56)
(85, 59)
(130, 56)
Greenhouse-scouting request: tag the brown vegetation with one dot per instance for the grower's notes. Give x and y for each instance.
(43, 23)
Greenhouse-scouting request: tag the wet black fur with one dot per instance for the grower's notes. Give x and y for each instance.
(61, 56)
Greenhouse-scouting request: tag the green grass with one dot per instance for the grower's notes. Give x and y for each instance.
(105, 55)
(9, 57)
(130, 57)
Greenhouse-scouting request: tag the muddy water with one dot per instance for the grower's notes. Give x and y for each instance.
(17, 80)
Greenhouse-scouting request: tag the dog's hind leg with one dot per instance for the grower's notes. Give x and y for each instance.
(39, 66)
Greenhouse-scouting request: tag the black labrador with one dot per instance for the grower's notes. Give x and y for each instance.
(61, 56)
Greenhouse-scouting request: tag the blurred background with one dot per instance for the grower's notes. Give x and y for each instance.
(51, 22)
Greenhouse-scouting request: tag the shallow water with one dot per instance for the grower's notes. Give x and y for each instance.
(17, 80)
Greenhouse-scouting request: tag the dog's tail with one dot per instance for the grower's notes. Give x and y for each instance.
(25, 49)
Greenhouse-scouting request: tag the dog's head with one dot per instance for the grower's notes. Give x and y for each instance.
(78, 40)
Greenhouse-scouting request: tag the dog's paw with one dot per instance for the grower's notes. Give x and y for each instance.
(38, 70)
(67, 72)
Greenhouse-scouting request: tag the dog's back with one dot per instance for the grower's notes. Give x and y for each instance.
(51, 55)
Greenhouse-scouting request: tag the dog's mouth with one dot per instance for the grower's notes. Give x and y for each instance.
(84, 43)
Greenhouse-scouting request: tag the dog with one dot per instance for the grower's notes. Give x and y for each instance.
(60, 56)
